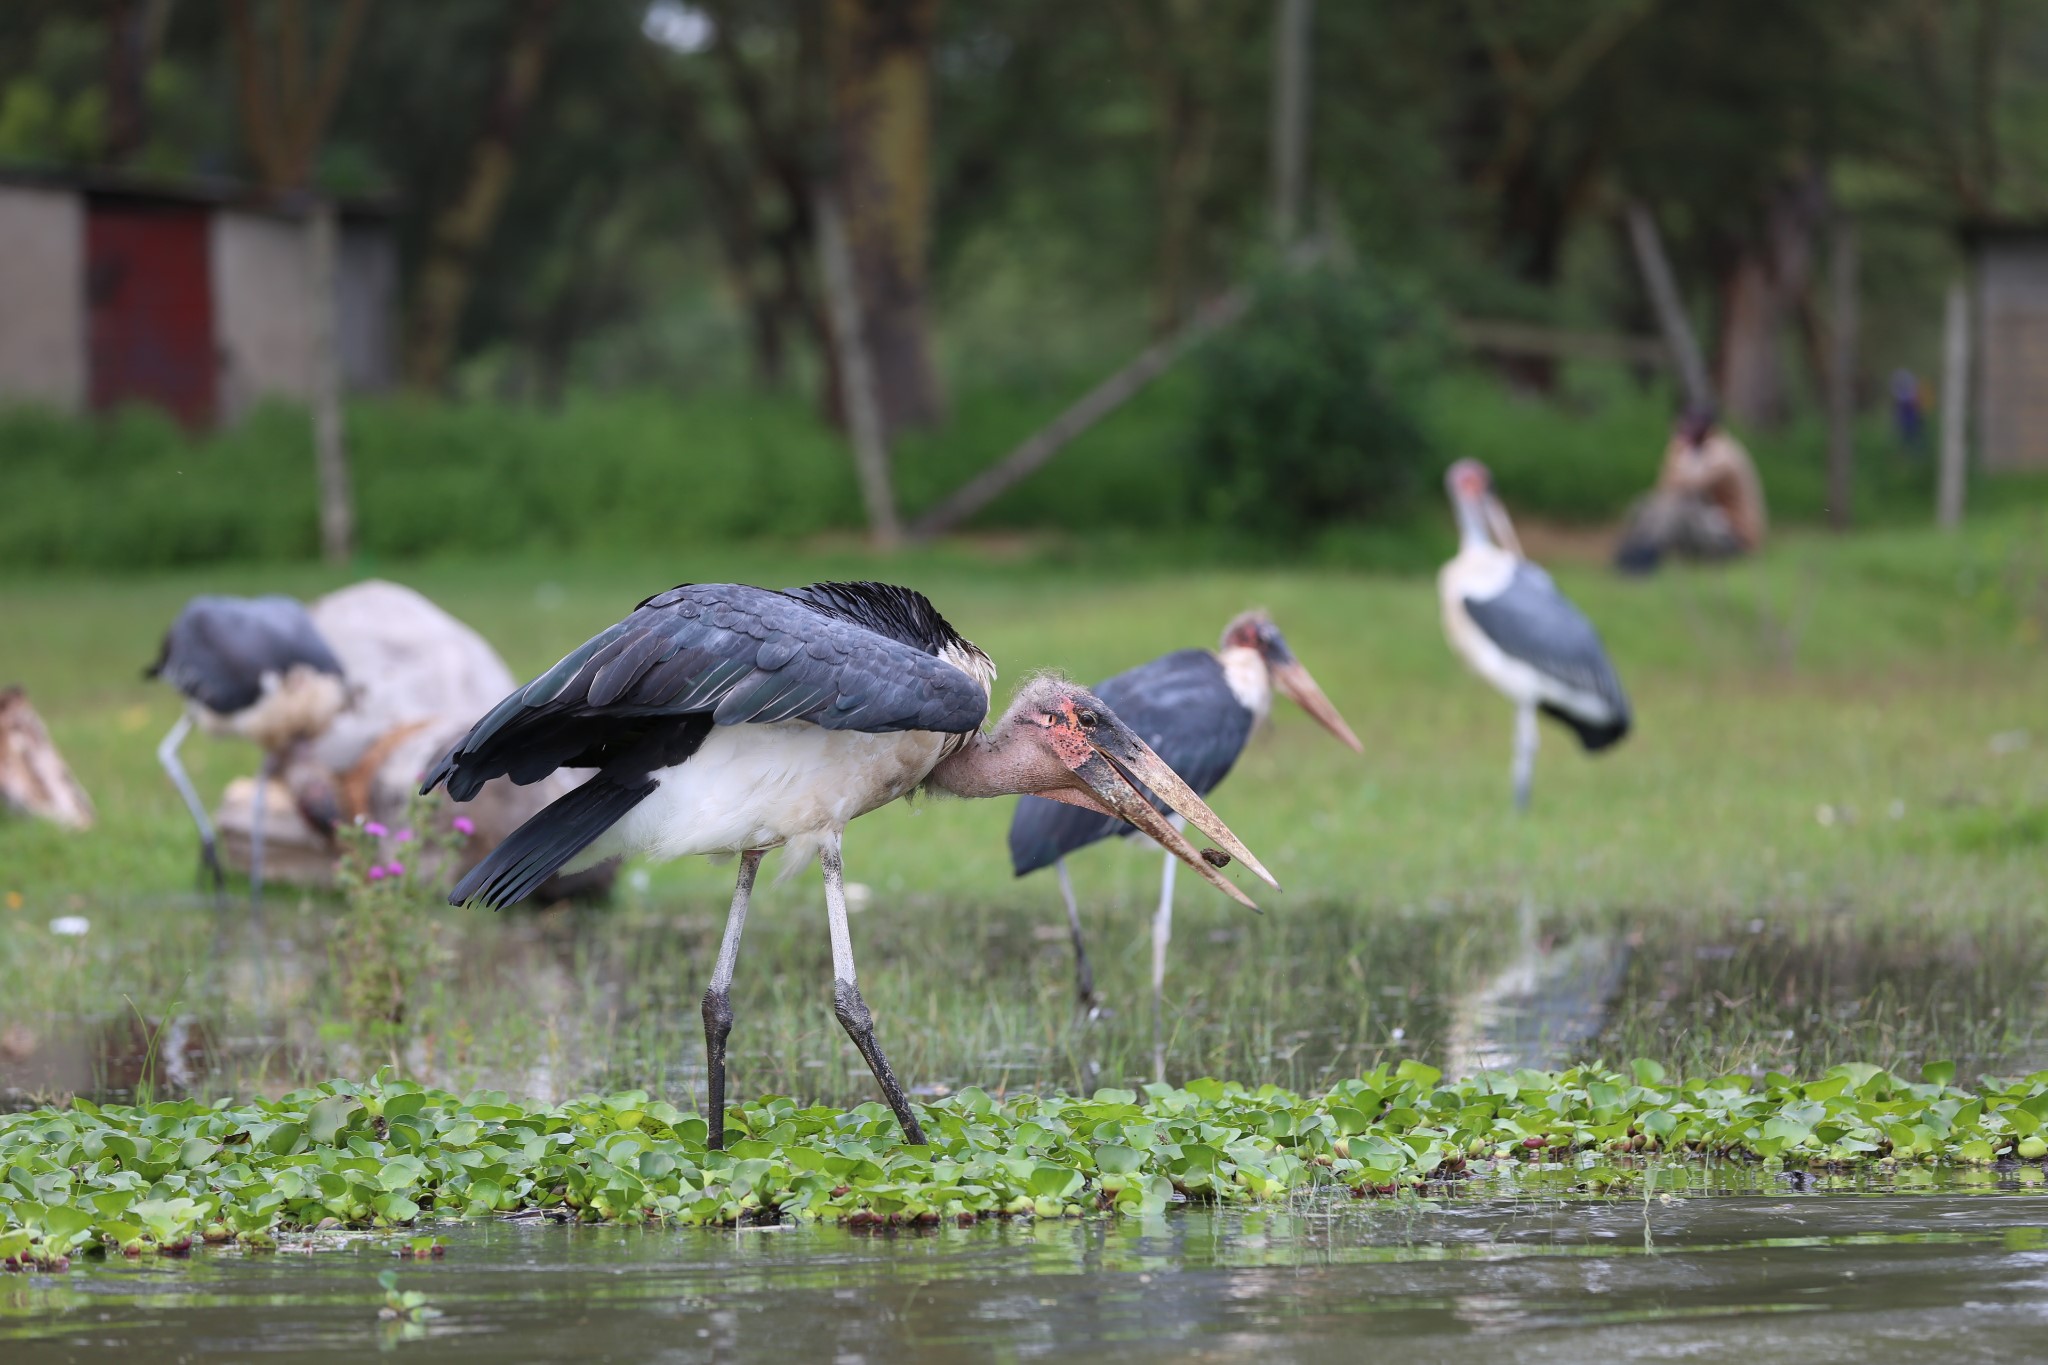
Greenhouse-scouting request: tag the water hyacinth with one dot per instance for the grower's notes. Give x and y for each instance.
(154, 1179)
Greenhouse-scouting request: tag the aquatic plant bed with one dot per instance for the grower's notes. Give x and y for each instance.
(157, 1178)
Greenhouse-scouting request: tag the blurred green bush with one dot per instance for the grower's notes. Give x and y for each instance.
(1311, 412)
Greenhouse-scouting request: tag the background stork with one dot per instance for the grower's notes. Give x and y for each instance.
(1197, 709)
(253, 667)
(1509, 622)
(723, 718)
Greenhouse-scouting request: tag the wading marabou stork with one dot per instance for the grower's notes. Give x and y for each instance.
(1509, 622)
(253, 667)
(1197, 709)
(723, 718)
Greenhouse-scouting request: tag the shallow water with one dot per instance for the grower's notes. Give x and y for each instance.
(1948, 1275)
(554, 1004)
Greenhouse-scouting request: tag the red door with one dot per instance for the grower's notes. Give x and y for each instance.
(149, 286)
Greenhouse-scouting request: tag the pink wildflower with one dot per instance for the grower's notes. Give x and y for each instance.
(397, 869)
(375, 830)
(464, 825)
(376, 873)
(404, 835)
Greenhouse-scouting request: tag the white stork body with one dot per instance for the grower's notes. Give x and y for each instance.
(1506, 619)
(786, 784)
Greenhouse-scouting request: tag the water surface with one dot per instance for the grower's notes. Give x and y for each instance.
(1952, 1275)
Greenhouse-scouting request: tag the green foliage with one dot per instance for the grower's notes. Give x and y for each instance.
(1309, 411)
(152, 1180)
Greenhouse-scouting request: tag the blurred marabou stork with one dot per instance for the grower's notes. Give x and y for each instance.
(723, 718)
(1197, 709)
(253, 667)
(1509, 622)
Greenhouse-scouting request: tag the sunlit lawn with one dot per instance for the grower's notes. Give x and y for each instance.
(1841, 767)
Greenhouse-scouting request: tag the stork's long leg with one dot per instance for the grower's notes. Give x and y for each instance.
(846, 1000)
(718, 997)
(1162, 934)
(1084, 974)
(1525, 752)
(167, 755)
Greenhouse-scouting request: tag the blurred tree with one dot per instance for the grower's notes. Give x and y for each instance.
(286, 98)
(463, 223)
(879, 57)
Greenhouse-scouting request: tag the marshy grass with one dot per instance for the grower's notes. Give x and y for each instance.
(1823, 843)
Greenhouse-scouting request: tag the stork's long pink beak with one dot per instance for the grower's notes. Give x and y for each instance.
(1113, 774)
(1298, 687)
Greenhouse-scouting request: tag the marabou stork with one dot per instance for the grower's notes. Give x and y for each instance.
(1509, 622)
(253, 667)
(1197, 709)
(723, 718)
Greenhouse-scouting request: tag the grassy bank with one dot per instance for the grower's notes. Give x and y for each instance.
(1823, 843)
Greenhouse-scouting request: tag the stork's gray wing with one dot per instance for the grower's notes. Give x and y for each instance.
(219, 648)
(644, 693)
(1530, 620)
(1179, 704)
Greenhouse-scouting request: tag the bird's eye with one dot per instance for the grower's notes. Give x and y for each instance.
(1087, 718)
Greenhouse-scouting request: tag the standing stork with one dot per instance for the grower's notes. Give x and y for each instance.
(1512, 626)
(1197, 709)
(253, 667)
(723, 718)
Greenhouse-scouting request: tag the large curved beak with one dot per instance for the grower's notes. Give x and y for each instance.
(1503, 529)
(1297, 686)
(1121, 765)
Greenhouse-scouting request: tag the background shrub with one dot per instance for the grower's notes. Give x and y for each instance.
(1311, 411)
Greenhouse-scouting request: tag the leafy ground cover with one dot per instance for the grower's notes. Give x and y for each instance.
(155, 1179)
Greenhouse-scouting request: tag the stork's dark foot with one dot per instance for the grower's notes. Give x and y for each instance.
(210, 868)
(860, 1026)
(717, 1027)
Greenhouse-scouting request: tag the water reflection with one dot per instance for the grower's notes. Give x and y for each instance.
(1748, 1277)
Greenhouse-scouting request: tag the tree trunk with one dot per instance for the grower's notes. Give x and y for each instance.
(1760, 293)
(880, 60)
(859, 398)
(463, 227)
(1290, 116)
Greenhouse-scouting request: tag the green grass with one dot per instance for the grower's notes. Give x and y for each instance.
(658, 476)
(1823, 841)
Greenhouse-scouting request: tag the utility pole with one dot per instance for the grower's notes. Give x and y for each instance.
(1955, 406)
(1842, 375)
(330, 442)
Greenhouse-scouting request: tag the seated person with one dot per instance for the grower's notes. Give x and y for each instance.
(1708, 503)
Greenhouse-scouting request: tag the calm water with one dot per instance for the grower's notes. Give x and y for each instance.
(1949, 1275)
